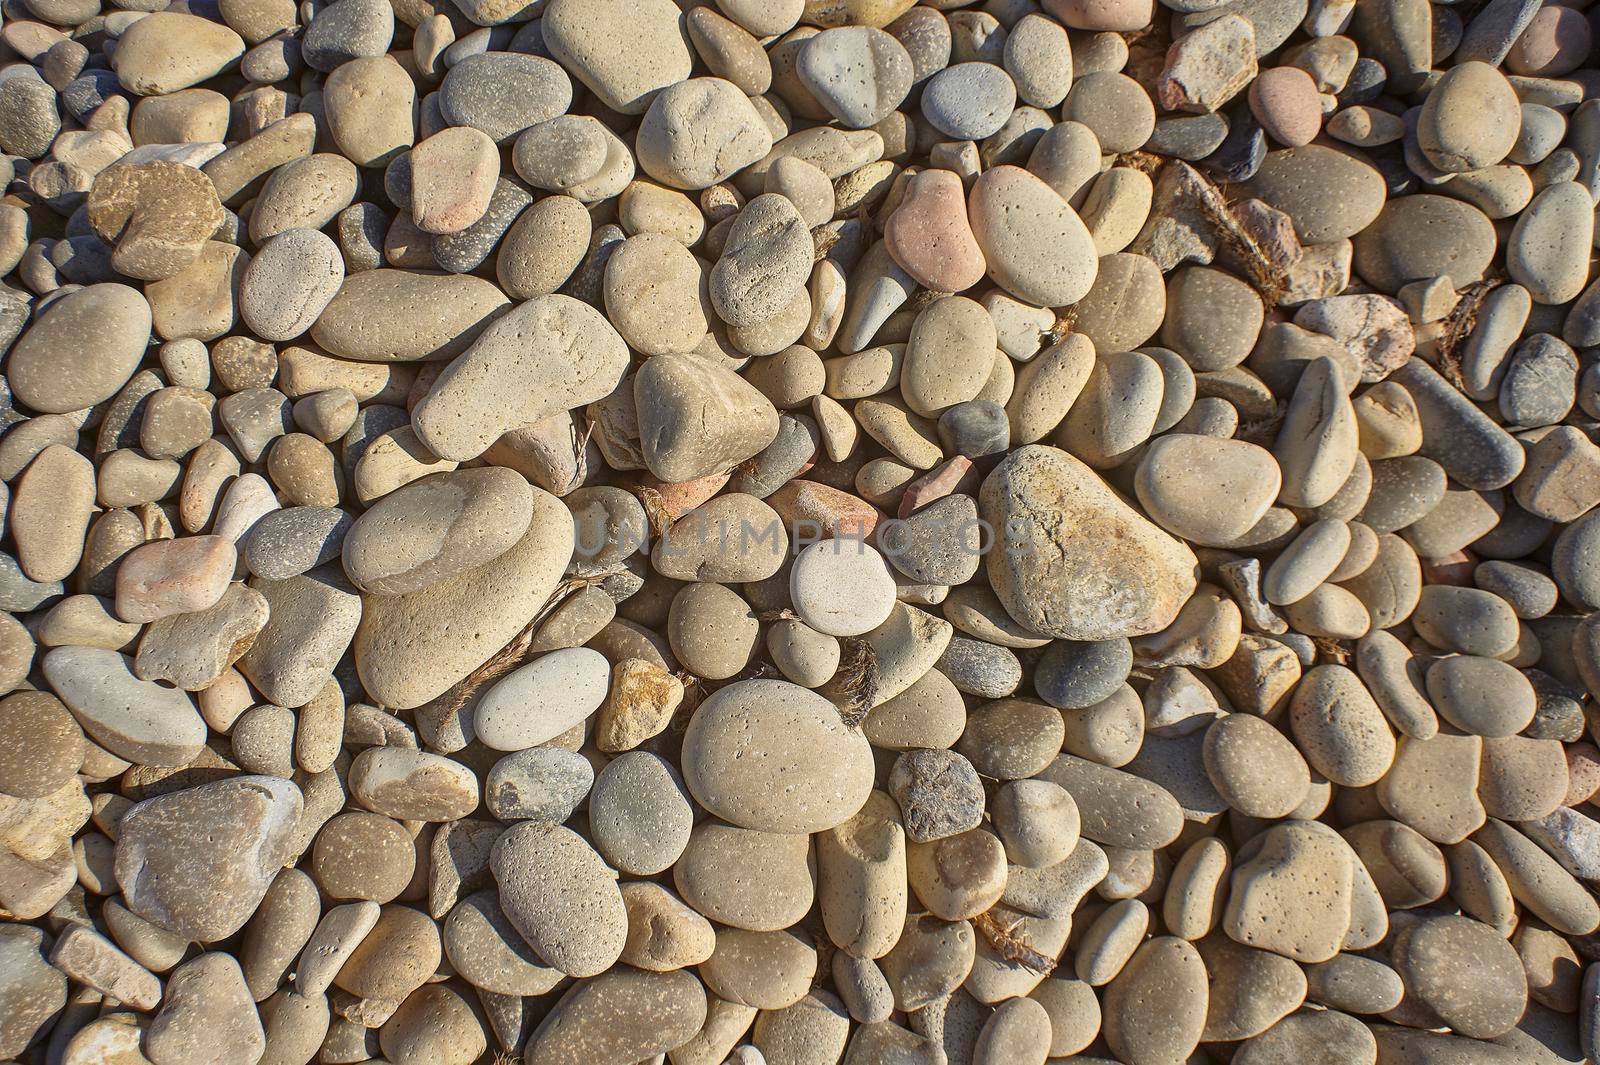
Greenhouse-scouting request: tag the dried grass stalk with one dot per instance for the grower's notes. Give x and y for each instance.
(500, 663)
(857, 680)
(1458, 325)
(655, 511)
(1010, 944)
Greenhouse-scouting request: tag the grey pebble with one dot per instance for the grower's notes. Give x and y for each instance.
(503, 93)
(542, 784)
(346, 30)
(464, 251)
(1460, 437)
(1540, 383)
(979, 668)
(291, 541)
(939, 544)
(969, 101)
(1188, 137)
(939, 794)
(1074, 674)
(976, 428)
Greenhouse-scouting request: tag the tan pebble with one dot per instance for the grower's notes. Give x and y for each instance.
(663, 933)
(452, 175)
(50, 512)
(1339, 727)
(1292, 893)
(1254, 767)
(959, 876)
(1155, 1010)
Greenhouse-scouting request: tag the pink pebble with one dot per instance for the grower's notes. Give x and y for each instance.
(1119, 16)
(680, 497)
(1455, 568)
(1285, 102)
(1556, 42)
(929, 236)
(935, 484)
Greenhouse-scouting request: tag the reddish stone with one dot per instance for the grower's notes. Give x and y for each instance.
(680, 497)
(935, 484)
(1453, 569)
(174, 577)
(929, 236)
(826, 511)
(1285, 102)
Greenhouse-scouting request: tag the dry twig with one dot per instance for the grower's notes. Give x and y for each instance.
(1458, 325)
(655, 511)
(500, 663)
(1010, 944)
(1333, 650)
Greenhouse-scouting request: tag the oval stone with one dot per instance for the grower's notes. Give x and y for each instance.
(413, 647)
(400, 316)
(81, 350)
(139, 720)
(437, 528)
(1206, 489)
(776, 757)
(561, 896)
(543, 699)
(1035, 245)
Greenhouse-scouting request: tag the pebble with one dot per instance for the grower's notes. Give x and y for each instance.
(765, 261)
(697, 418)
(48, 368)
(1179, 473)
(624, 1015)
(929, 235)
(1544, 253)
(1117, 581)
(206, 1014)
(891, 309)
(671, 144)
(813, 774)
(1457, 687)
(841, 587)
(968, 101)
(206, 892)
(859, 74)
(521, 578)
(1165, 978)
(33, 990)
(135, 719)
(1034, 244)
(1454, 128)
(561, 897)
(503, 93)
(938, 792)
(1437, 956)
(563, 351)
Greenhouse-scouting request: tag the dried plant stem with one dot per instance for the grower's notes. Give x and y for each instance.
(499, 664)
(1010, 944)
(1333, 650)
(1458, 325)
(655, 511)
(857, 680)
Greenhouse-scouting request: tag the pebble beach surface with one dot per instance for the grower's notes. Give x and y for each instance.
(799, 532)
